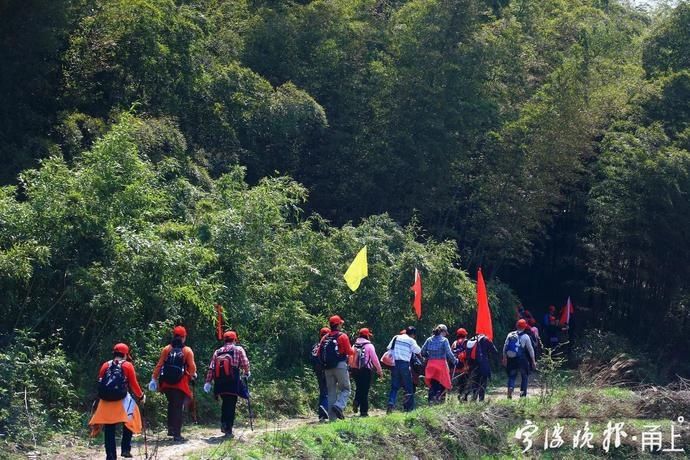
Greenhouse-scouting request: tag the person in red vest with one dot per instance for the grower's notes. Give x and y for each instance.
(117, 379)
(462, 370)
(175, 370)
(333, 352)
(224, 371)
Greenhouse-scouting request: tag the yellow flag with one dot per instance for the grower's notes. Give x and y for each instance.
(358, 270)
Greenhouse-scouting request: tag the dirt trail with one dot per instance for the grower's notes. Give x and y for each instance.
(199, 438)
(161, 447)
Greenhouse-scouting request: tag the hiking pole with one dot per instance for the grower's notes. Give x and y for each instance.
(143, 427)
(249, 403)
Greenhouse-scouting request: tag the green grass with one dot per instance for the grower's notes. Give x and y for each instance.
(453, 430)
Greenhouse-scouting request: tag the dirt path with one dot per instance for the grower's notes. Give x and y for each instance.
(161, 447)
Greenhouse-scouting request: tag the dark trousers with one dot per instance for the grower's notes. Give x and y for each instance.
(461, 381)
(521, 366)
(436, 391)
(227, 412)
(363, 382)
(109, 434)
(175, 404)
(322, 410)
(477, 384)
(401, 377)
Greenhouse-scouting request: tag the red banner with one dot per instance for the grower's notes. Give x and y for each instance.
(484, 324)
(219, 323)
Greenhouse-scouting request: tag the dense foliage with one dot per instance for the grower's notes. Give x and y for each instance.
(163, 155)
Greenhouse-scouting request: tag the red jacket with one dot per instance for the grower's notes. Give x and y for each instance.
(130, 375)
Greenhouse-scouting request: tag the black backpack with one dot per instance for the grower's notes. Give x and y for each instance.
(314, 357)
(173, 367)
(113, 386)
(328, 351)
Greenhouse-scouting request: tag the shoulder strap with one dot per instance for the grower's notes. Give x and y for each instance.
(394, 339)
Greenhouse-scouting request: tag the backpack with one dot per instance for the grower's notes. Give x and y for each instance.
(514, 347)
(173, 367)
(460, 350)
(224, 370)
(314, 357)
(329, 357)
(536, 342)
(113, 386)
(417, 364)
(358, 359)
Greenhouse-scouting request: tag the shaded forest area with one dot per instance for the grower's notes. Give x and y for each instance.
(159, 156)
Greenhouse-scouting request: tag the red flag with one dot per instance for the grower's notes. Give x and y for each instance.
(417, 289)
(484, 325)
(219, 323)
(565, 313)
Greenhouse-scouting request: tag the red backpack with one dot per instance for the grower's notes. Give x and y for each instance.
(224, 370)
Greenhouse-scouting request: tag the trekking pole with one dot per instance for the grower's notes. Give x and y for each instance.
(249, 403)
(143, 427)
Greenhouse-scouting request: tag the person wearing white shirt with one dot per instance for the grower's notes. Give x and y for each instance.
(403, 346)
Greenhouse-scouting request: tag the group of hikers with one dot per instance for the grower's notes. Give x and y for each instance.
(175, 371)
(463, 364)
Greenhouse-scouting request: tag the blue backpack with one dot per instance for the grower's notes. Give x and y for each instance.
(514, 348)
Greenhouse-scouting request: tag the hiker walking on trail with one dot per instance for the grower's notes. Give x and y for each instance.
(551, 328)
(518, 354)
(533, 332)
(227, 363)
(462, 370)
(479, 351)
(322, 408)
(172, 376)
(403, 347)
(436, 350)
(117, 382)
(362, 363)
(333, 352)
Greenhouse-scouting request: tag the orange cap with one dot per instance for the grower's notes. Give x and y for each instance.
(365, 332)
(230, 335)
(324, 331)
(180, 331)
(521, 324)
(462, 332)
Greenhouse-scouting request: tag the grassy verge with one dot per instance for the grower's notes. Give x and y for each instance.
(484, 430)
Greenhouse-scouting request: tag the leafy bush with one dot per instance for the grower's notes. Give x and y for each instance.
(37, 394)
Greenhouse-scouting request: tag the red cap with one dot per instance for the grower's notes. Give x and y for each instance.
(365, 332)
(335, 320)
(462, 332)
(532, 322)
(180, 331)
(324, 331)
(521, 324)
(121, 348)
(230, 335)
(552, 308)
